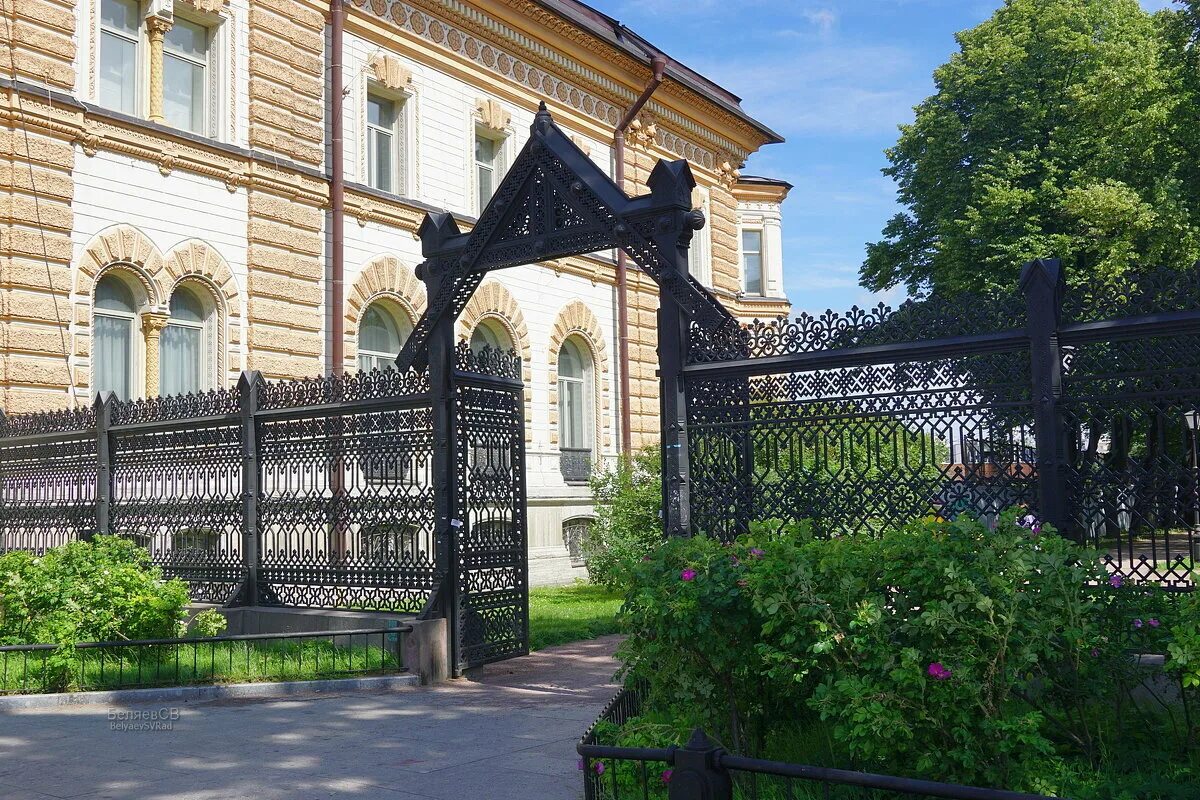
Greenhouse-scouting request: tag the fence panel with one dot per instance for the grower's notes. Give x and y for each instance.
(176, 487)
(346, 501)
(47, 479)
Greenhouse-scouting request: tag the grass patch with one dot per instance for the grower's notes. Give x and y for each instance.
(562, 614)
(190, 662)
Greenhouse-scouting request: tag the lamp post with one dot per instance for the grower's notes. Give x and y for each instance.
(1192, 418)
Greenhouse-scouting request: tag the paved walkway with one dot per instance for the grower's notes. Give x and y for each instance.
(509, 736)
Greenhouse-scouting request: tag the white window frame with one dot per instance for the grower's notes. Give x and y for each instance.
(762, 259)
(587, 383)
(403, 139)
(136, 337)
(210, 374)
(141, 54)
(387, 309)
(211, 56)
(499, 167)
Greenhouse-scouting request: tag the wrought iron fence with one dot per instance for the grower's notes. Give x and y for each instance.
(309, 493)
(147, 663)
(702, 770)
(1079, 405)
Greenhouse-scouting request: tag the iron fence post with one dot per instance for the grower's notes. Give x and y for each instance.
(247, 408)
(434, 232)
(1043, 284)
(697, 773)
(103, 405)
(671, 186)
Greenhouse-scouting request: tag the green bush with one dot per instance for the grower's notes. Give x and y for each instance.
(627, 527)
(941, 650)
(208, 623)
(103, 590)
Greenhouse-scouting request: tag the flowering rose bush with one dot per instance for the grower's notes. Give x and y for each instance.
(941, 649)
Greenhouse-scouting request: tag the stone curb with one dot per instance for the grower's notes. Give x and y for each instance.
(193, 694)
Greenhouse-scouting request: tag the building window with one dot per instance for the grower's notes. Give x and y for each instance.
(115, 315)
(381, 334)
(488, 168)
(120, 38)
(489, 334)
(384, 143)
(752, 261)
(700, 251)
(575, 410)
(186, 349)
(575, 531)
(185, 76)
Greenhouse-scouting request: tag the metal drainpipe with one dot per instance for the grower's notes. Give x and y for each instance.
(659, 65)
(337, 189)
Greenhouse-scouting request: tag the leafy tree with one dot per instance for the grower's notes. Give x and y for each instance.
(1060, 127)
(628, 497)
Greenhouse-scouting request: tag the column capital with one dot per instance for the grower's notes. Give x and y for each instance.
(153, 324)
(157, 26)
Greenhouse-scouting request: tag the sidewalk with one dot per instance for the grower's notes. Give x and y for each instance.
(509, 736)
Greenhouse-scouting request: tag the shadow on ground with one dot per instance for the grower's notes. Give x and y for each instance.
(508, 734)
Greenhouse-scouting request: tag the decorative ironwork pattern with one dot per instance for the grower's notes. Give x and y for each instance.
(492, 573)
(862, 448)
(65, 421)
(48, 489)
(177, 492)
(376, 384)
(213, 403)
(488, 361)
(913, 320)
(346, 508)
(1154, 291)
(1131, 453)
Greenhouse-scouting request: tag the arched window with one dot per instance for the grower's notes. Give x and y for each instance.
(381, 334)
(490, 334)
(186, 363)
(575, 409)
(113, 358)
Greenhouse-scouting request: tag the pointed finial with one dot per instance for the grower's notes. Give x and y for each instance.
(542, 120)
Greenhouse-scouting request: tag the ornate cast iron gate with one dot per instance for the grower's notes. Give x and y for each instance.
(553, 203)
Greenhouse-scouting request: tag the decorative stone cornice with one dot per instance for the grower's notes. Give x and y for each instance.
(492, 114)
(208, 6)
(727, 172)
(643, 131)
(390, 71)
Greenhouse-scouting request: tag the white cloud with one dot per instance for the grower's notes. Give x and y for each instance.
(823, 19)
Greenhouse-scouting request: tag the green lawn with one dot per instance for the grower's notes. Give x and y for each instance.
(562, 614)
(188, 663)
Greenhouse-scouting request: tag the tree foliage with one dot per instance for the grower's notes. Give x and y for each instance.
(1059, 128)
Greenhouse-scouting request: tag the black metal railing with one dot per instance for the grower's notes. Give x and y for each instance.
(702, 770)
(576, 464)
(247, 658)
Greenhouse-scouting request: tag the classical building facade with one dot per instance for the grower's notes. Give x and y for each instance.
(167, 216)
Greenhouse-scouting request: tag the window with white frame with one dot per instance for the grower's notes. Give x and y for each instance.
(381, 334)
(575, 531)
(489, 168)
(187, 350)
(574, 383)
(186, 82)
(385, 142)
(114, 319)
(120, 55)
(752, 260)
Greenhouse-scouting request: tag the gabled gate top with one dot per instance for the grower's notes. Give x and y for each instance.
(556, 202)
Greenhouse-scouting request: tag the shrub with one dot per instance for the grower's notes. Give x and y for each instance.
(941, 649)
(102, 590)
(209, 623)
(628, 497)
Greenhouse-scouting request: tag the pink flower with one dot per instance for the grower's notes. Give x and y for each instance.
(939, 672)
(1137, 623)
(688, 575)
(645, 558)
(734, 560)
(1116, 580)
(757, 553)
(599, 767)
(743, 583)
(1095, 652)
(666, 775)
(1153, 623)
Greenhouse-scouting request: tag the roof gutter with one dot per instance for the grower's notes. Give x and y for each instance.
(658, 66)
(337, 191)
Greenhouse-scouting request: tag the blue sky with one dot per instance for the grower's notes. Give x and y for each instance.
(835, 77)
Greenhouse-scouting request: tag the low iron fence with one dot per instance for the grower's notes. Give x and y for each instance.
(148, 663)
(702, 770)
